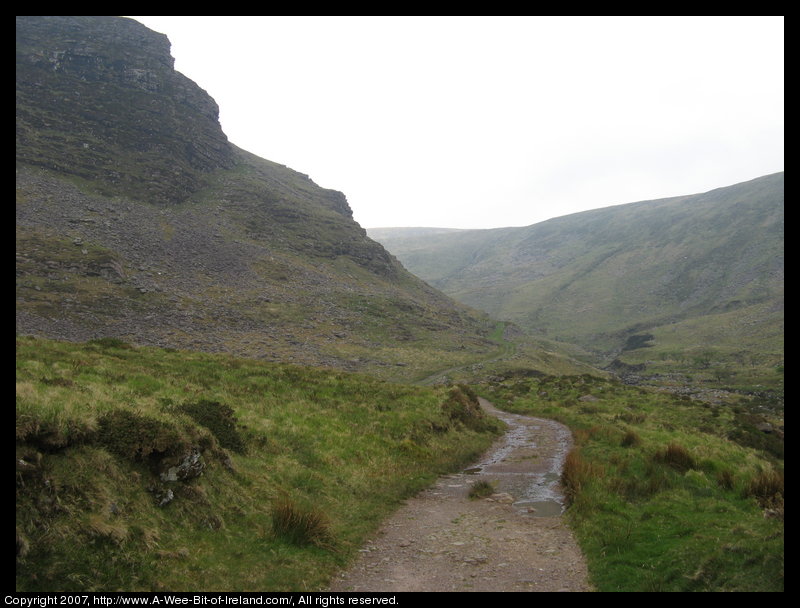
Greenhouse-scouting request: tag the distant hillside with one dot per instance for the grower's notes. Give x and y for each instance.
(138, 219)
(661, 282)
(400, 233)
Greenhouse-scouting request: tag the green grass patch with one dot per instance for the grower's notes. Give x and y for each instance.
(664, 493)
(144, 469)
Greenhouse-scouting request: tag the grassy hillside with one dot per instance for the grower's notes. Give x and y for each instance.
(632, 280)
(517, 355)
(666, 493)
(743, 349)
(153, 469)
(229, 270)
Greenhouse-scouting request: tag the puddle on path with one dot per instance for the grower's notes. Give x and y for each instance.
(527, 462)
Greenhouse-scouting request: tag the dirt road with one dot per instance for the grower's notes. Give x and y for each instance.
(514, 540)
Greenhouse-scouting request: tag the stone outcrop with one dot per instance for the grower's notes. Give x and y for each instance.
(117, 115)
(187, 466)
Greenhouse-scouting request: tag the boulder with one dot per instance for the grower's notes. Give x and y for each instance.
(189, 466)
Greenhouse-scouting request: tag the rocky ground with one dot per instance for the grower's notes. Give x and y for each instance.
(178, 278)
(513, 540)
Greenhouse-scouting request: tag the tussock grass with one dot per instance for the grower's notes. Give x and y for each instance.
(631, 439)
(481, 489)
(726, 480)
(576, 474)
(300, 524)
(677, 457)
(767, 487)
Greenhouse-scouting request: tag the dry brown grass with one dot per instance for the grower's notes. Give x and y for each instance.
(577, 472)
(725, 479)
(767, 487)
(677, 457)
(301, 525)
(631, 439)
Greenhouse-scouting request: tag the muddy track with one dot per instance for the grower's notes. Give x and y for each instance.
(514, 540)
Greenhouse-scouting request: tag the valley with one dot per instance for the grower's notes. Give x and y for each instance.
(687, 290)
(225, 383)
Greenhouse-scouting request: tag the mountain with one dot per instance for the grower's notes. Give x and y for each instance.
(659, 284)
(137, 219)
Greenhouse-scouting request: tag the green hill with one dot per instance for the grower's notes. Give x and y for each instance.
(690, 284)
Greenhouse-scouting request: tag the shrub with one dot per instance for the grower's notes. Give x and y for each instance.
(218, 418)
(462, 406)
(52, 432)
(747, 434)
(136, 436)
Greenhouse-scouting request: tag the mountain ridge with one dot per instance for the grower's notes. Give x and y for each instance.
(138, 219)
(599, 277)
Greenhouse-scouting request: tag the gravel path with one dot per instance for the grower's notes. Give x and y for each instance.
(514, 540)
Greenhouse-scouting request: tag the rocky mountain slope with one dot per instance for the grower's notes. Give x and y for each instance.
(138, 219)
(672, 279)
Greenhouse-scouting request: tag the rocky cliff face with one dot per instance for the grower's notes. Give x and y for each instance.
(136, 218)
(98, 98)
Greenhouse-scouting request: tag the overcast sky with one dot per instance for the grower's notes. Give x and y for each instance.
(482, 122)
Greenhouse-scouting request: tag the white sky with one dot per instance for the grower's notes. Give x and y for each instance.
(482, 122)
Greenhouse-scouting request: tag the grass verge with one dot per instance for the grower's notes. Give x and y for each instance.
(665, 494)
(147, 469)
